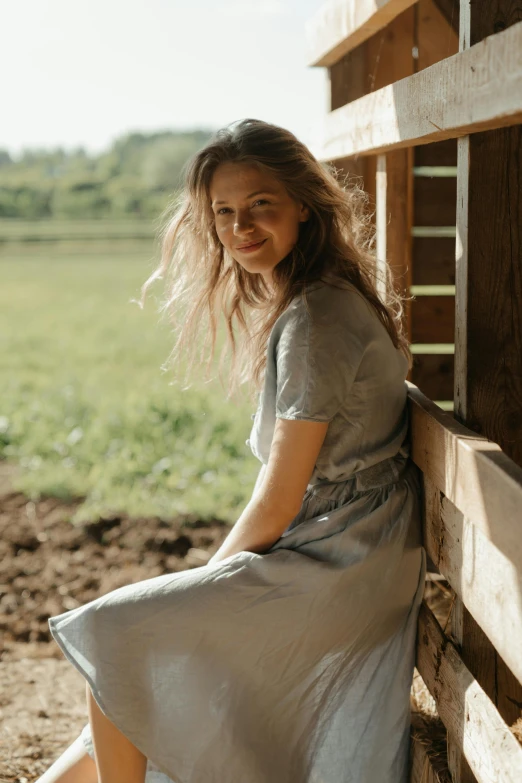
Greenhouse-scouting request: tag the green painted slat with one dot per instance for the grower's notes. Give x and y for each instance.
(432, 348)
(432, 290)
(434, 231)
(435, 171)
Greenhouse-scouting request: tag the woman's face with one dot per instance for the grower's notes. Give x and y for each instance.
(251, 207)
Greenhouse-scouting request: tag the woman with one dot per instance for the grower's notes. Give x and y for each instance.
(289, 657)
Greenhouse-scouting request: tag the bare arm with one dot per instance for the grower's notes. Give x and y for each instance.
(279, 490)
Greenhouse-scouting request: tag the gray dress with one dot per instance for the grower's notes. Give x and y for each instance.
(295, 665)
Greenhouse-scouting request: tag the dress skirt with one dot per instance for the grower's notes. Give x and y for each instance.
(291, 666)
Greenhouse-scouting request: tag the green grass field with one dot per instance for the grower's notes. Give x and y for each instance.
(85, 408)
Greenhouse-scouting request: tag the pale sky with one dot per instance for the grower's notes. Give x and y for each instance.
(81, 73)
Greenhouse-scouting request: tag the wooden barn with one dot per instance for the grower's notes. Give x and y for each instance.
(425, 104)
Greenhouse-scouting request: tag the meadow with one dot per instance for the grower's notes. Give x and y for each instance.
(85, 408)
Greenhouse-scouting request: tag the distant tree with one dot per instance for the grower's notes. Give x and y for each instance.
(137, 176)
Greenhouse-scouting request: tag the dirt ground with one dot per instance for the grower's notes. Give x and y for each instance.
(48, 566)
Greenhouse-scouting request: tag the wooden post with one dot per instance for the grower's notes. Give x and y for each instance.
(394, 208)
(386, 57)
(488, 335)
(390, 57)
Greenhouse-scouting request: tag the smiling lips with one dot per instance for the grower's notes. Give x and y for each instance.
(251, 247)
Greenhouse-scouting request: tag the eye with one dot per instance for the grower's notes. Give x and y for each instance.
(223, 210)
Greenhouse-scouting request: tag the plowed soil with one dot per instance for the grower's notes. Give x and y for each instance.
(48, 566)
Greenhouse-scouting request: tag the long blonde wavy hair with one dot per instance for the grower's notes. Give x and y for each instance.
(204, 283)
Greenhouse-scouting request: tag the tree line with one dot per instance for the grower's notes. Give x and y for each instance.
(135, 177)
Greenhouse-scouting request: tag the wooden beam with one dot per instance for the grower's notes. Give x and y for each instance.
(389, 55)
(342, 25)
(477, 89)
(394, 219)
(473, 472)
(488, 581)
(472, 720)
(488, 341)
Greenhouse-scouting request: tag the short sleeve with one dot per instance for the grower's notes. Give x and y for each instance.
(317, 357)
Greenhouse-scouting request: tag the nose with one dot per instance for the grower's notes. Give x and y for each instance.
(243, 222)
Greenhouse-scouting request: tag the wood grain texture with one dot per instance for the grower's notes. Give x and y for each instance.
(389, 56)
(341, 25)
(474, 90)
(433, 319)
(433, 261)
(488, 344)
(471, 471)
(433, 374)
(348, 78)
(450, 11)
(435, 201)
(488, 580)
(472, 720)
(439, 153)
(436, 38)
(494, 282)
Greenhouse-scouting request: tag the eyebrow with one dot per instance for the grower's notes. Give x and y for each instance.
(250, 195)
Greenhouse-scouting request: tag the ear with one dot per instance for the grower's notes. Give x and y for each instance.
(304, 213)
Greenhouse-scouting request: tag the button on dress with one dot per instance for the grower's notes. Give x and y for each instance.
(295, 665)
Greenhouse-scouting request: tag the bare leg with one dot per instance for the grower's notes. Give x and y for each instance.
(117, 759)
(73, 766)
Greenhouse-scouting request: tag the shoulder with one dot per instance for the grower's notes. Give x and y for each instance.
(344, 304)
(329, 310)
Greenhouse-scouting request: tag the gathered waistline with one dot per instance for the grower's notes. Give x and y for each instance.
(383, 473)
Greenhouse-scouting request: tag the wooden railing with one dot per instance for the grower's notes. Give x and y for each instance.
(478, 89)
(400, 80)
(473, 534)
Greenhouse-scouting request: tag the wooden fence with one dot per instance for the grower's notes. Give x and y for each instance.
(473, 534)
(425, 104)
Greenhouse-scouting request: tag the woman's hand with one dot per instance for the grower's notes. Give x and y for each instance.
(280, 489)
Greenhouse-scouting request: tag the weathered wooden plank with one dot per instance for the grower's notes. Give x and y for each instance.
(435, 201)
(474, 90)
(392, 54)
(433, 374)
(489, 268)
(433, 319)
(473, 472)
(433, 261)
(488, 580)
(488, 343)
(341, 25)
(472, 720)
